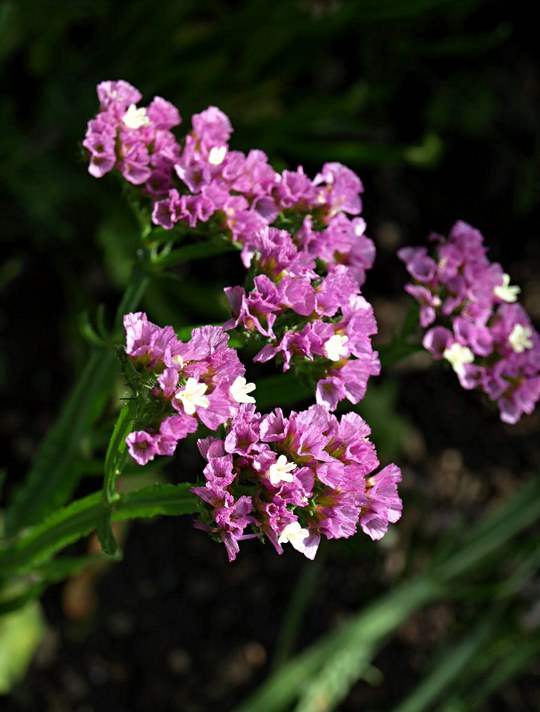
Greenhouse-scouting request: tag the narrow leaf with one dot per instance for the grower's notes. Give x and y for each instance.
(79, 518)
(52, 479)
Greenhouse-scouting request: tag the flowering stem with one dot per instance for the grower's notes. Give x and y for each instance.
(138, 282)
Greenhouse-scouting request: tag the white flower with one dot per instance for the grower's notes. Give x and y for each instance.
(458, 355)
(281, 471)
(135, 118)
(294, 534)
(335, 348)
(520, 338)
(506, 291)
(217, 155)
(240, 389)
(192, 396)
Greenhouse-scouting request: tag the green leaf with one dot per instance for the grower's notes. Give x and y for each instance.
(160, 499)
(299, 601)
(345, 652)
(20, 634)
(65, 567)
(69, 524)
(13, 602)
(496, 528)
(59, 529)
(52, 478)
(520, 653)
(106, 536)
(452, 666)
(89, 332)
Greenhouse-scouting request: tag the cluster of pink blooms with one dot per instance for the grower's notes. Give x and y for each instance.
(304, 304)
(308, 318)
(288, 479)
(178, 384)
(135, 141)
(475, 321)
(293, 479)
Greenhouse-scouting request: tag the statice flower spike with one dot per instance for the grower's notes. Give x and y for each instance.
(308, 475)
(475, 321)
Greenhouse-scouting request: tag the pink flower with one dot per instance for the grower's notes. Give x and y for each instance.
(181, 384)
(478, 327)
(308, 475)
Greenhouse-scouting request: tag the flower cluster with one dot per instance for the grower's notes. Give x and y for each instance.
(475, 321)
(301, 238)
(178, 384)
(293, 479)
(306, 318)
(290, 479)
(135, 141)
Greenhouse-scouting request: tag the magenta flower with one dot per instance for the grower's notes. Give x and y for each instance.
(180, 384)
(308, 475)
(475, 323)
(134, 140)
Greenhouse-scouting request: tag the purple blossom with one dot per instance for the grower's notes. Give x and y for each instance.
(183, 383)
(295, 189)
(342, 190)
(141, 446)
(475, 323)
(135, 140)
(308, 475)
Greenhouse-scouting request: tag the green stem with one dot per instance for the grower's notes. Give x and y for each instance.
(116, 456)
(140, 277)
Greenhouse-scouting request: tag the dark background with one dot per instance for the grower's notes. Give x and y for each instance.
(436, 105)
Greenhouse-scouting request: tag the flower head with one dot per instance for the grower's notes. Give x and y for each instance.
(475, 321)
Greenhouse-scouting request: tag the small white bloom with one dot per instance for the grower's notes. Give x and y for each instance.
(520, 338)
(240, 389)
(506, 291)
(458, 355)
(217, 155)
(192, 396)
(294, 534)
(281, 471)
(335, 348)
(135, 118)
